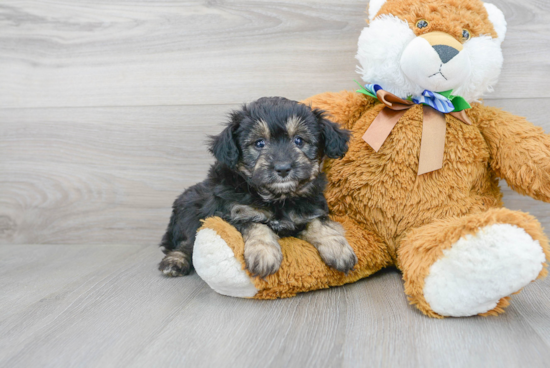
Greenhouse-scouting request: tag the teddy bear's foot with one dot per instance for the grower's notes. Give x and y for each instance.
(481, 269)
(216, 264)
(470, 265)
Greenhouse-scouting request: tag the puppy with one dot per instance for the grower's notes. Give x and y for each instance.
(267, 183)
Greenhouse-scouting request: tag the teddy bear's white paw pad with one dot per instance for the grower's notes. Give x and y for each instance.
(479, 270)
(216, 264)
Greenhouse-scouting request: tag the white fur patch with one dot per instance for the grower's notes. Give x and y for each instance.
(374, 7)
(379, 53)
(480, 269)
(486, 60)
(381, 47)
(499, 22)
(422, 65)
(216, 264)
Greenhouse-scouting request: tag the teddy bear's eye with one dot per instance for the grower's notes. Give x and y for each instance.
(422, 23)
(465, 35)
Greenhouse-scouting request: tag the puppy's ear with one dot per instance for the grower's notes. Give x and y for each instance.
(335, 139)
(224, 145)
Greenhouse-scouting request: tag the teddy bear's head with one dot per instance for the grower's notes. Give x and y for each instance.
(436, 45)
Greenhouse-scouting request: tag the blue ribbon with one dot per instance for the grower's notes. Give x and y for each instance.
(432, 99)
(435, 100)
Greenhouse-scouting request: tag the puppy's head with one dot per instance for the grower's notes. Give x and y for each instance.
(278, 145)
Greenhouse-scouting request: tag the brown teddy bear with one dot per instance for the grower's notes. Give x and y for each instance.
(418, 188)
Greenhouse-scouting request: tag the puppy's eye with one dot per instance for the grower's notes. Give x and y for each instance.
(466, 35)
(298, 141)
(260, 143)
(422, 23)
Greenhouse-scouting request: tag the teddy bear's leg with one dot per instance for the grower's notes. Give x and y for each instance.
(217, 263)
(218, 258)
(471, 265)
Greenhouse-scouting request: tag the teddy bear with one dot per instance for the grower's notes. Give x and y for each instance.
(418, 188)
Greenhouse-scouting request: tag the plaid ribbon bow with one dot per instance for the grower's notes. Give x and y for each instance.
(435, 101)
(436, 105)
(443, 102)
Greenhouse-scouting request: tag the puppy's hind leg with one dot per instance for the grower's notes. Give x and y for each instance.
(177, 261)
(177, 243)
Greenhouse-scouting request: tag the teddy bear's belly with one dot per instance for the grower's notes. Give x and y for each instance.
(383, 191)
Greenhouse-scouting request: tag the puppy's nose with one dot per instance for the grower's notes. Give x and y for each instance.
(446, 53)
(283, 169)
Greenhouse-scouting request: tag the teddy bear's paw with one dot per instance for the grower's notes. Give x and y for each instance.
(215, 263)
(481, 269)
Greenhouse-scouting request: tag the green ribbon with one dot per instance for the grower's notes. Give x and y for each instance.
(458, 102)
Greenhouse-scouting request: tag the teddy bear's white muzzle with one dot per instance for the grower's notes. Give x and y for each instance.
(435, 66)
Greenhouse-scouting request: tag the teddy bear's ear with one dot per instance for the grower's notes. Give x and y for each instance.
(499, 22)
(374, 8)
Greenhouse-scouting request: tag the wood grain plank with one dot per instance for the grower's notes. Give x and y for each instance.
(128, 53)
(124, 313)
(109, 314)
(533, 307)
(98, 175)
(34, 274)
(402, 336)
(110, 175)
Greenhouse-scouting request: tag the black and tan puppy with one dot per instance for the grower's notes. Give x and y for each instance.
(266, 182)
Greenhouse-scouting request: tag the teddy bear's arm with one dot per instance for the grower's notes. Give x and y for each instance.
(520, 151)
(344, 107)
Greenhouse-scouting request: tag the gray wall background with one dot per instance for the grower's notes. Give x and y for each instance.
(105, 105)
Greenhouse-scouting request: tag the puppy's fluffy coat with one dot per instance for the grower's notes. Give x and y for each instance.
(266, 182)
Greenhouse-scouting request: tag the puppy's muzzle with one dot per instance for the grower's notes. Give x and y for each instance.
(283, 169)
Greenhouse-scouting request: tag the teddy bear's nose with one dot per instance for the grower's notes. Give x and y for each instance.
(446, 53)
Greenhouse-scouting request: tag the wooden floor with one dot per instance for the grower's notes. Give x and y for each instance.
(104, 110)
(107, 306)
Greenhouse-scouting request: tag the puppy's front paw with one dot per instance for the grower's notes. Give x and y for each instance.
(337, 253)
(328, 237)
(175, 264)
(262, 257)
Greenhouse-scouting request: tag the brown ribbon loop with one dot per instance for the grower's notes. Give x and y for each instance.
(392, 101)
(383, 124)
(461, 115)
(432, 146)
(381, 127)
